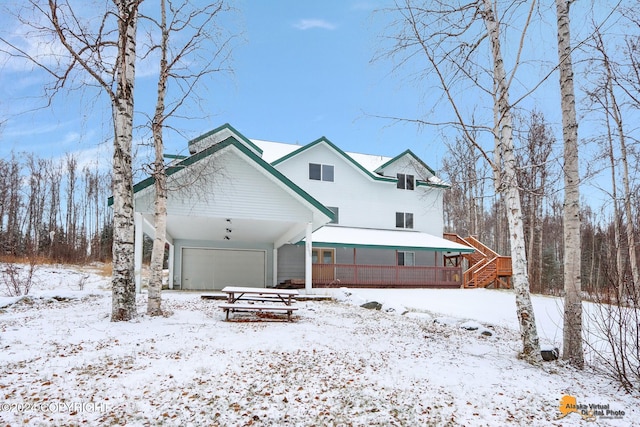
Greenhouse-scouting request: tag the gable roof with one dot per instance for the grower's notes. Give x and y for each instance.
(230, 131)
(233, 142)
(348, 158)
(277, 153)
(433, 180)
(375, 174)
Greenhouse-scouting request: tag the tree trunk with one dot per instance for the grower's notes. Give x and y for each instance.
(628, 209)
(508, 185)
(572, 349)
(123, 281)
(154, 304)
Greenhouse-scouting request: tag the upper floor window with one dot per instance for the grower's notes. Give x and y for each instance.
(404, 220)
(405, 181)
(320, 172)
(336, 214)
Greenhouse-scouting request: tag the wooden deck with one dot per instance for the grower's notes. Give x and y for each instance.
(486, 269)
(380, 276)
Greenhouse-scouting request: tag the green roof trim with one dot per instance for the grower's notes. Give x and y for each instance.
(419, 160)
(359, 166)
(391, 247)
(339, 151)
(406, 153)
(230, 128)
(431, 184)
(174, 156)
(231, 141)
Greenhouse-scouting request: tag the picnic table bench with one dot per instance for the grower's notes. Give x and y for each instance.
(259, 300)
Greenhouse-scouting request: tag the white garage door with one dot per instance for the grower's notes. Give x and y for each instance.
(216, 268)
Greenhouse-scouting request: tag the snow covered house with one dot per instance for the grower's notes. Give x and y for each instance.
(248, 212)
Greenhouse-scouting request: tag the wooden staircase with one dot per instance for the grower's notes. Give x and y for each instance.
(486, 267)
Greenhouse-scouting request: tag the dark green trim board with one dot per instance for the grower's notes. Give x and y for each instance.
(401, 155)
(423, 164)
(392, 247)
(337, 150)
(359, 166)
(233, 142)
(226, 126)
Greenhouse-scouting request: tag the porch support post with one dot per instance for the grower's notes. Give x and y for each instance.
(308, 245)
(171, 261)
(275, 267)
(137, 250)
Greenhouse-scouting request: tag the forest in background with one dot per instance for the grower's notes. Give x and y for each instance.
(54, 210)
(57, 211)
(472, 207)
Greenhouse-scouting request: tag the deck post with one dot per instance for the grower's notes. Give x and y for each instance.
(308, 246)
(274, 281)
(171, 260)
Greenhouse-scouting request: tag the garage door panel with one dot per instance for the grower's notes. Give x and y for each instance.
(210, 269)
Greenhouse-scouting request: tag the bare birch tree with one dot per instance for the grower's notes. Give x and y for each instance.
(450, 38)
(534, 172)
(100, 49)
(190, 48)
(572, 332)
(608, 99)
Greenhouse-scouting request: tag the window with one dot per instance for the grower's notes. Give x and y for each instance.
(404, 220)
(406, 258)
(320, 172)
(336, 214)
(405, 182)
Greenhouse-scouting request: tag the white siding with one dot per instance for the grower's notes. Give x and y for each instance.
(362, 201)
(226, 185)
(407, 165)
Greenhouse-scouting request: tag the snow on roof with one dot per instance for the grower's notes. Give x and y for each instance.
(390, 239)
(272, 151)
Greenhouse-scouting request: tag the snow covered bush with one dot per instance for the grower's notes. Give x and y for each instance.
(615, 339)
(17, 279)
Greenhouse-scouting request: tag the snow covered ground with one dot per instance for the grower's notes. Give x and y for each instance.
(62, 362)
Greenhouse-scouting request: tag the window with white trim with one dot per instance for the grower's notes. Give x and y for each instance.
(404, 220)
(405, 181)
(406, 258)
(320, 172)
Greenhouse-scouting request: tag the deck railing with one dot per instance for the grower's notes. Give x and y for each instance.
(336, 275)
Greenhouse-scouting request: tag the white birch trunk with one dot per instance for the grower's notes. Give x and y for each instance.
(122, 282)
(572, 334)
(617, 236)
(154, 304)
(508, 185)
(628, 209)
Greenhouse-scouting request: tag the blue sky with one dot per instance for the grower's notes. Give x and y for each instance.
(303, 70)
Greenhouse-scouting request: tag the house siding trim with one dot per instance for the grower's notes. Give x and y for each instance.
(360, 235)
(231, 141)
(231, 129)
(337, 150)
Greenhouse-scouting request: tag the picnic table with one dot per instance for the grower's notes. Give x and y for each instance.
(259, 299)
